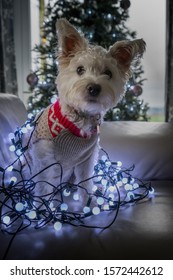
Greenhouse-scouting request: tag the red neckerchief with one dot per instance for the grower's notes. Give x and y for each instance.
(57, 121)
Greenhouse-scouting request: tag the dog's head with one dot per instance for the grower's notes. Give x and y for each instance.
(91, 79)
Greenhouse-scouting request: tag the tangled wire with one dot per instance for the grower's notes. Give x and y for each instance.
(20, 207)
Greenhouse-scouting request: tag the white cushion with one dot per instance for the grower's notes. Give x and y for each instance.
(148, 145)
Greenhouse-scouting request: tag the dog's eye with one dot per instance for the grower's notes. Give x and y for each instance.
(80, 70)
(108, 73)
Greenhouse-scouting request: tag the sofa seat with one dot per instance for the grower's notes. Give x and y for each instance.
(141, 232)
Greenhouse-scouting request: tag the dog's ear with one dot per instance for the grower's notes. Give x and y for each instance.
(69, 39)
(125, 52)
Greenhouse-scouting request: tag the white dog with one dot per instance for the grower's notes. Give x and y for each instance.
(91, 80)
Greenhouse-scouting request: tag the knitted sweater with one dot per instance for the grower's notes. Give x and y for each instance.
(70, 147)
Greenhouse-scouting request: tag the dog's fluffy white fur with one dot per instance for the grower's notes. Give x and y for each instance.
(90, 81)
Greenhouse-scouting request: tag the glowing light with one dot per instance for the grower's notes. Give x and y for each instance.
(96, 210)
(13, 179)
(119, 163)
(30, 115)
(86, 209)
(12, 148)
(19, 206)
(124, 180)
(11, 136)
(111, 196)
(64, 207)
(119, 184)
(104, 158)
(94, 188)
(100, 200)
(10, 168)
(66, 192)
(25, 204)
(104, 182)
(28, 126)
(24, 130)
(53, 99)
(135, 185)
(130, 195)
(18, 153)
(57, 226)
(108, 163)
(32, 214)
(51, 205)
(98, 179)
(106, 207)
(132, 180)
(128, 187)
(111, 188)
(6, 220)
(151, 191)
(76, 196)
(111, 203)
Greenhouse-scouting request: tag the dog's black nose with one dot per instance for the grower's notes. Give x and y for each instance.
(94, 89)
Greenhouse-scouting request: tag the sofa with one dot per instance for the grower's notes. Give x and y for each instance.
(143, 230)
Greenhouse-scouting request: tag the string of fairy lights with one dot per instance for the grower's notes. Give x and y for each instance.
(20, 208)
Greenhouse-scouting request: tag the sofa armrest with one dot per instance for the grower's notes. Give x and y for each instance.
(12, 115)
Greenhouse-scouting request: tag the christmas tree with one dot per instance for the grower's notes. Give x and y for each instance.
(102, 22)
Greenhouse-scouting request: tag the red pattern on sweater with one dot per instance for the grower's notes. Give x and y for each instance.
(57, 121)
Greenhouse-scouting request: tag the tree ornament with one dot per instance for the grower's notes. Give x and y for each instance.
(136, 89)
(108, 17)
(89, 12)
(116, 113)
(43, 40)
(131, 110)
(125, 4)
(32, 79)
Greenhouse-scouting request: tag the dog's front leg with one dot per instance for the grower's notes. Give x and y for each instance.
(83, 176)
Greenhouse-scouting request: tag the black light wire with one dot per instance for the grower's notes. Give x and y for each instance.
(24, 189)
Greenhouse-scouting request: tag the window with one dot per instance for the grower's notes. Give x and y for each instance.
(22, 35)
(148, 19)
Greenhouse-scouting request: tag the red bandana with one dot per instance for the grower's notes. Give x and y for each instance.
(57, 121)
